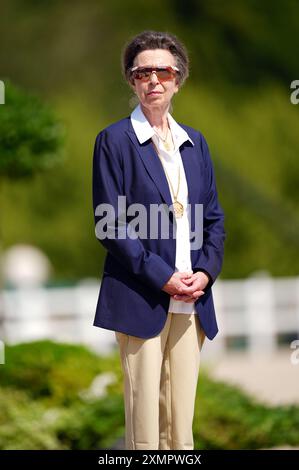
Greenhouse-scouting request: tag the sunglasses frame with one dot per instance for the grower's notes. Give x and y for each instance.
(169, 68)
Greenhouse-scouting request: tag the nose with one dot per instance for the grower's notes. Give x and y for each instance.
(154, 78)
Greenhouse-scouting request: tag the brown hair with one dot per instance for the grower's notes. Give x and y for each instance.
(155, 40)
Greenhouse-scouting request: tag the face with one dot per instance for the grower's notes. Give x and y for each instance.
(154, 93)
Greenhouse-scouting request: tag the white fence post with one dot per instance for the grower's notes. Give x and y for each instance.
(259, 302)
(26, 315)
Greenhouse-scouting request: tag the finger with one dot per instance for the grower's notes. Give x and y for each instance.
(189, 290)
(187, 281)
(178, 297)
(197, 294)
(185, 274)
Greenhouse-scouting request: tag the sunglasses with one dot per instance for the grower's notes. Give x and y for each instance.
(163, 73)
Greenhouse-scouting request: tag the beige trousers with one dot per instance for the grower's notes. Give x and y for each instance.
(160, 380)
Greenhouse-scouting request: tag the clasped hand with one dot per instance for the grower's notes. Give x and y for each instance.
(186, 286)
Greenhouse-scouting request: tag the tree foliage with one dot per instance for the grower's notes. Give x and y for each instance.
(30, 135)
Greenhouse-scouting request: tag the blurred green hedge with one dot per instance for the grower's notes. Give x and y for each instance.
(225, 418)
(44, 405)
(42, 384)
(53, 372)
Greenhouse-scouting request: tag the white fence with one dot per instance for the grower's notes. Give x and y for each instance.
(262, 312)
(257, 312)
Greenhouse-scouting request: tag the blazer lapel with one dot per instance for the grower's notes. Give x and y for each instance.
(188, 155)
(153, 165)
(192, 171)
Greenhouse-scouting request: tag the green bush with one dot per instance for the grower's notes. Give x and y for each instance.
(29, 424)
(53, 372)
(225, 418)
(24, 423)
(92, 426)
(42, 401)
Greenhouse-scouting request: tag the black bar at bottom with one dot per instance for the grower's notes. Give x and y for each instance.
(131, 459)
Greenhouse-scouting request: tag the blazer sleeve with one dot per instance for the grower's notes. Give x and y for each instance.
(108, 184)
(212, 251)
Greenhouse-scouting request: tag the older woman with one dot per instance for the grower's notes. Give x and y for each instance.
(156, 290)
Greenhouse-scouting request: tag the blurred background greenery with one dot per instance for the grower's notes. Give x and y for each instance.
(243, 59)
(67, 55)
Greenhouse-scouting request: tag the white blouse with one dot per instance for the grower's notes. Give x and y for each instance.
(171, 161)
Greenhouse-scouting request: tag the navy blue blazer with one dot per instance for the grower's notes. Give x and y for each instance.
(135, 270)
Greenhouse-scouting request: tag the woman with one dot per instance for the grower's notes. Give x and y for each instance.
(156, 290)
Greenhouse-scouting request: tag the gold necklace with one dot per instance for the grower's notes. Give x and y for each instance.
(177, 206)
(166, 144)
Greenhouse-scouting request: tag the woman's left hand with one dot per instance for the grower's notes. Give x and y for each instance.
(195, 286)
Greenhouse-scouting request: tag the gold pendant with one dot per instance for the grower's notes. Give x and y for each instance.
(178, 209)
(167, 146)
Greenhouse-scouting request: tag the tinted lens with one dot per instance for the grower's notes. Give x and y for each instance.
(142, 74)
(165, 74)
